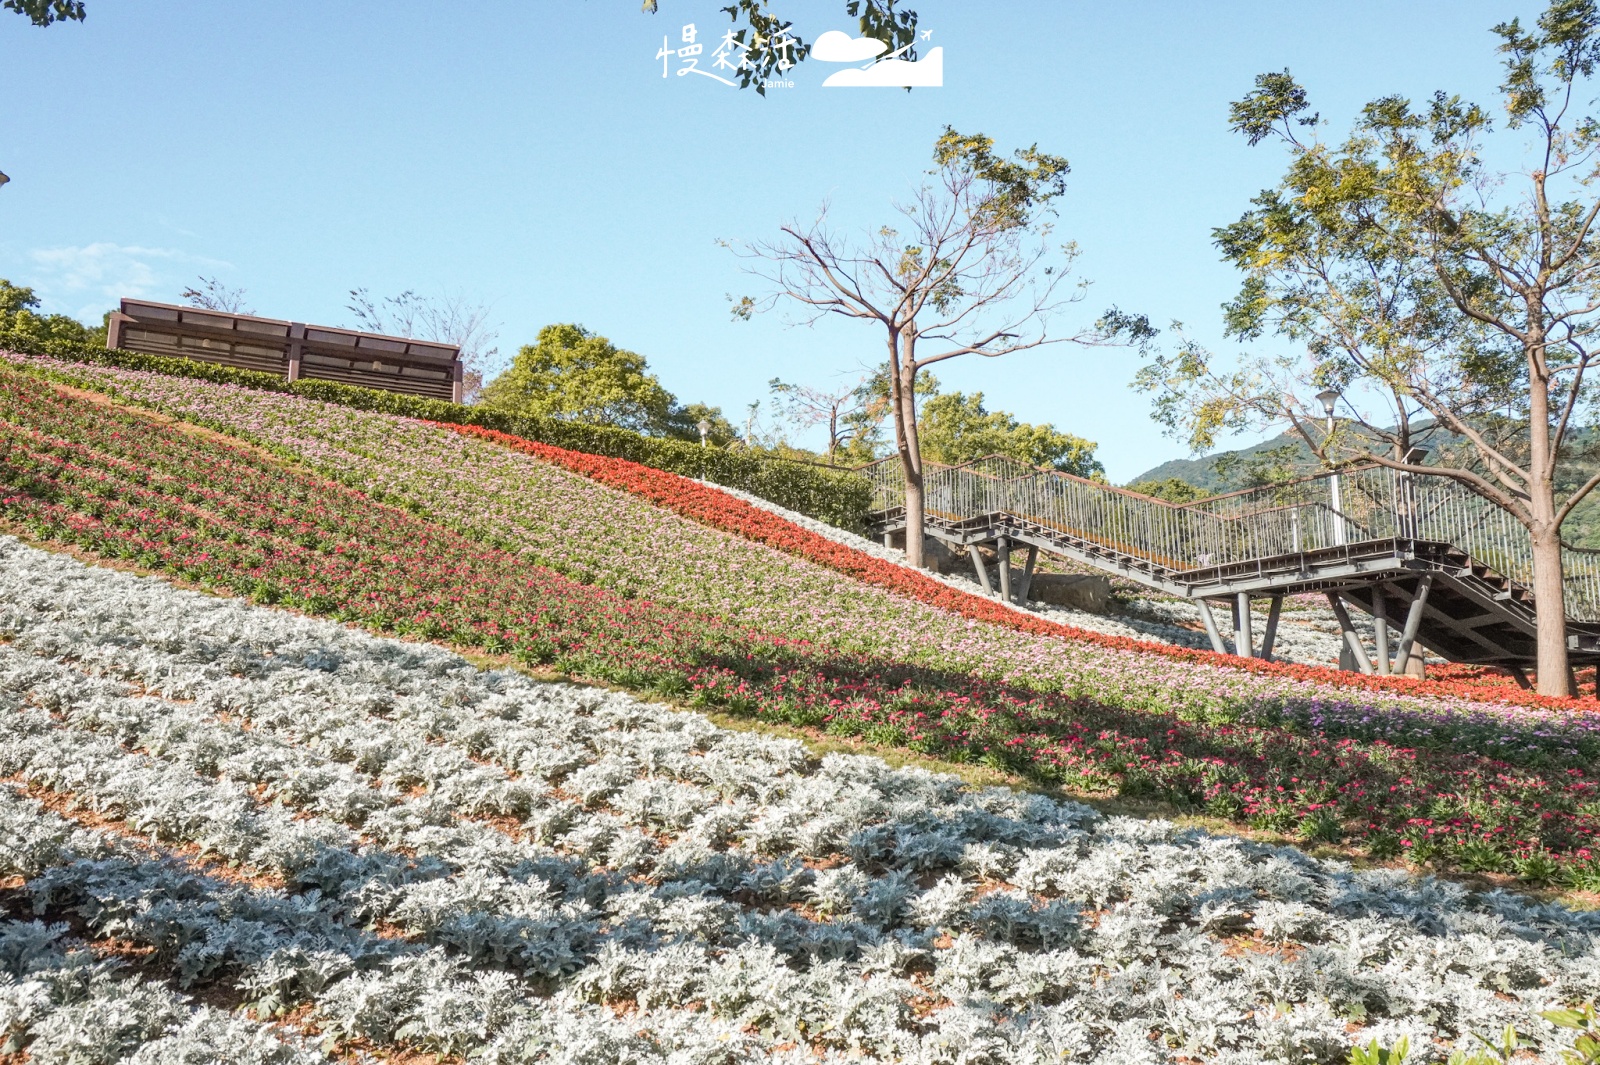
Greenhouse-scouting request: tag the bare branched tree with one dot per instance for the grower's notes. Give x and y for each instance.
(848, 411)
(213, 295)
(448, 319)
(974, 273)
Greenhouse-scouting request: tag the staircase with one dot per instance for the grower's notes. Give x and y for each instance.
(1447, 569)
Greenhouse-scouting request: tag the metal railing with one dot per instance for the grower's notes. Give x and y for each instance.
(1375, 503)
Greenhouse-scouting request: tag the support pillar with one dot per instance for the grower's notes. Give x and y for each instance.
(982, 570)
(1003, 546)
(1270, 637)
(1244, 642)
(458, 382)
(1408, 635)
(1380, 627)
(1520, 675)
(1027, 575)
(297, 336)
(1211, 627)
(888, 539)
(114, 330)
(1352, 641)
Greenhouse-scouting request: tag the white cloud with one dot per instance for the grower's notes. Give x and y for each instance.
(927, 72)
(836, 46)
(86, 281)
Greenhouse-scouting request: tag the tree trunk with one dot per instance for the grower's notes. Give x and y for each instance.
(903, 395)
(1549, 594)
(1550, 602)
(914, 516)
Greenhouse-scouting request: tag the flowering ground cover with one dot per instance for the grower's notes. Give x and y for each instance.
(718, 509)
(122, 485)
(341, 843)
(615, 540)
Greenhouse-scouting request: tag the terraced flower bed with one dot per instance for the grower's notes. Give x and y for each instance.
(123, 486)
(230, 833)
(631, 544)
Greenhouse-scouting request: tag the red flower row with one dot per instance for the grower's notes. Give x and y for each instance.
(722, 511)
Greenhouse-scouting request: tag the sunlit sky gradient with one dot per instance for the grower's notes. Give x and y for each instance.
(530, 155)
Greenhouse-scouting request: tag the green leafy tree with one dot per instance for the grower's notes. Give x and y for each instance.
(976, 272)
(1427, 286)
(1263, 469)
(21, 326)
(575, 375)
(44, 12)
(1171, 489)
(957, 428)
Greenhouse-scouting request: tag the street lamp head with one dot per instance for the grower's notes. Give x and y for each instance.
(1328, 397)
(704, 425)
(1417, 455)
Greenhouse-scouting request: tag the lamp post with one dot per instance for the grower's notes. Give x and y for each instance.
(1328, 397)
(705, 427)
(1416, 456)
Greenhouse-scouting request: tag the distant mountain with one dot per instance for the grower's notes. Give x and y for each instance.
(1581, 529)
(1202, 472)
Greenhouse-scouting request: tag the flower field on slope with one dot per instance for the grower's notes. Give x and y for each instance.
(339, 841)
(644, 552)
(617, 541)
(123, 486)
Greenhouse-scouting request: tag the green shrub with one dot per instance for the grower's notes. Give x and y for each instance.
(836, 496)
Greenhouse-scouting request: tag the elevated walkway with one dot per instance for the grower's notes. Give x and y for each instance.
(1434, 564)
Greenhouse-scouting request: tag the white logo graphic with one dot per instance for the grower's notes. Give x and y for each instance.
(890, 71)
(731, 58)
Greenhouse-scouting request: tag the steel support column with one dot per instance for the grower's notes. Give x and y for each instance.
(1244, 642)
(1351, 640)
(981, 569)
(1003, 547)
(1380, 628)
(1211, 627)
(1408, 635)
(1270, 637)
(1027, 575)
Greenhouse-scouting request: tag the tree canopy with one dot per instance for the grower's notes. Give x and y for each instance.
(45, 12)
(21, 325)
(576, 375)
(1428, 291)
(957, 428)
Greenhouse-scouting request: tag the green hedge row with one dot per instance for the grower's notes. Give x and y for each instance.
(838, 497)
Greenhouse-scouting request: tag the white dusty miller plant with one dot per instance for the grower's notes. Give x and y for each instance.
(328, 836)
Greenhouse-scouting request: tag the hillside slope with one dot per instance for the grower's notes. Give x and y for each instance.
(1279, 749)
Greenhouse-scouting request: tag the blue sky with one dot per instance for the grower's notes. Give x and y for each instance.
(530, 155)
